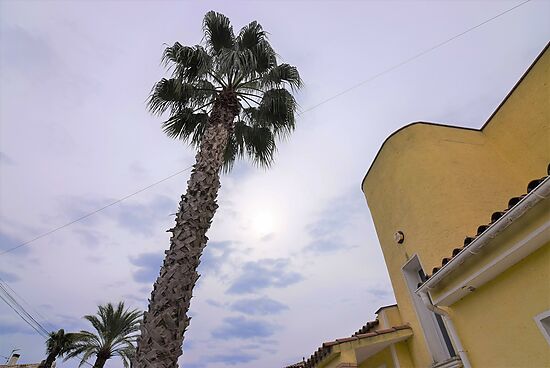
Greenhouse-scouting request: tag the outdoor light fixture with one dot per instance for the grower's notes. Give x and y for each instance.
(399, 237)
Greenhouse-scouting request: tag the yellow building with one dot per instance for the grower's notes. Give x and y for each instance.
(463, 219)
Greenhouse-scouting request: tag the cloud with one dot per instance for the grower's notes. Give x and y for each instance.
(232, 358)
(20, 48)
(9, 277)
(328, 231)
(9, 328)
(262, 274)
(214, 256)
(89, 238)
(242, 328)
(148, 266)
(5, 159)
(9, 242)
(258, 306)
(137, 218)
(143, 218)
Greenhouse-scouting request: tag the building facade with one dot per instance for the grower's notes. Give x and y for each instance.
(463, 219)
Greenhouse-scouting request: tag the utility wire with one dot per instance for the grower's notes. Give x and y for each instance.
(28, 316)
(28, 304)
(414, 57)
(24, 314)
(93, 212)
(355, 86)
(23, 318)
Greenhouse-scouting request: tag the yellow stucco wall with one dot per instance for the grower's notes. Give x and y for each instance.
(381, 359)
(437, 184)
(495, 323)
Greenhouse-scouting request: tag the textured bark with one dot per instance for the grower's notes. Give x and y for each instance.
(100, 361)
(50, 359)
(164, 324)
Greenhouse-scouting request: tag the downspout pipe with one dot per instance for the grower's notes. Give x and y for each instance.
(450, 328)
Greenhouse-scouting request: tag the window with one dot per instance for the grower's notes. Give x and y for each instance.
(437, 337)
(543, 322)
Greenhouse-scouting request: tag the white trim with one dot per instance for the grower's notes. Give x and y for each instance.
(430, 329)
(520, 250)
(394, 356)
(538, 320)
(541, 192)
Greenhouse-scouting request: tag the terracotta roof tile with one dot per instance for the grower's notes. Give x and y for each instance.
(366, 332)
(494, 217)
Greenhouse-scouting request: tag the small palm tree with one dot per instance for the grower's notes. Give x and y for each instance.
(58, 344)
(116, 329)
(230, 99)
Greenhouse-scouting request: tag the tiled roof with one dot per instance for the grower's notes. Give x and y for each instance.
(494, 217)
(296, 365)
(368, 327)
(326, 348)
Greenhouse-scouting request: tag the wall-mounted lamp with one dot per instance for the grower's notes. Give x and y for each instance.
(399, 237)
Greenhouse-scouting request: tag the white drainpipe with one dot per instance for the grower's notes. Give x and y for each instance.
(450, 328)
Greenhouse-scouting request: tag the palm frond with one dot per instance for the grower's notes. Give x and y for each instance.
(259, 143)
(172, 94)
(218, 31)
(266, 57)
(280, 74)
(275, 111)
(189, 62)
(250, 35)
(186, 125)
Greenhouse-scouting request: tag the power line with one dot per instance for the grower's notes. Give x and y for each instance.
(27, 303)
(24, 314)
(93, 212)
(414, 57)
(355, 86)
(23, 318)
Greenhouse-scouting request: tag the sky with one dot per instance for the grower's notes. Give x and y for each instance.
(293, 258)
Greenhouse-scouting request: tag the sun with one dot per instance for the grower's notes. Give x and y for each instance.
(264, 222)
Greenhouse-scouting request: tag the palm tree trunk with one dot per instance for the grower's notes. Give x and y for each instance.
(50, 359)
(100, 361)
(163, 326)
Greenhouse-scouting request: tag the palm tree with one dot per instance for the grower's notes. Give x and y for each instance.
(58, 344)
(116, 332)
(230, 99)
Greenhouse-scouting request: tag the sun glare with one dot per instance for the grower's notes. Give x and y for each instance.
(264, 222)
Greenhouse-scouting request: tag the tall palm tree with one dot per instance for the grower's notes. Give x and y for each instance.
(116, 331)
(58, 344)
(229, 98)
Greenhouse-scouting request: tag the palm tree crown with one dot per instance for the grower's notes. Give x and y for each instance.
(242, 66)
(230, 99)
(116, 329)
(58, 344)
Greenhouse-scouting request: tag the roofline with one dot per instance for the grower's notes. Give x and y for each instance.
(539, 193)
(384, 307)
(459, 127)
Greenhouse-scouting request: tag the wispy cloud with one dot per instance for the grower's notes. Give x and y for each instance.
(148, 266)
(327, 232)
(89, 237)
(215, 256)
(143, 218)
(8, 276)
(5, 159)
(18, 327)
(263, 274)
(232, 358)
(8, 242)
(258, 306)
(242, 328)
